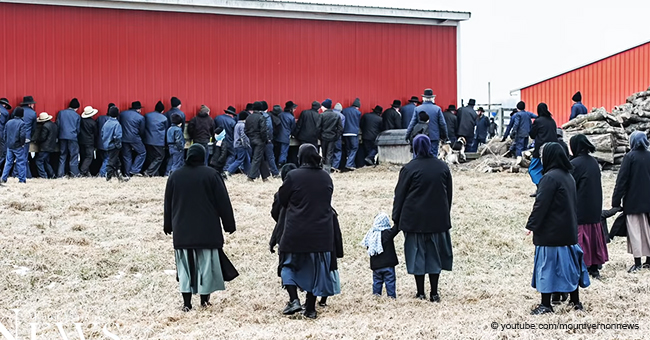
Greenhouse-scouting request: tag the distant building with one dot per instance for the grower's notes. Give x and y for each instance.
(603, 83)
(222, 53)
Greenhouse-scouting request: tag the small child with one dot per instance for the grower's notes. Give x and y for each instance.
(176, 143)
(379, 241)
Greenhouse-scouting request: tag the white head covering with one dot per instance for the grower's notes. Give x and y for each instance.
(372, 240)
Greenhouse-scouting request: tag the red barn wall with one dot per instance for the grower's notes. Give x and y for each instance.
(605, 83)
(55, 53)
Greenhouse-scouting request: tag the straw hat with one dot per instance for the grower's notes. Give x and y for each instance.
(89, 112)
(43, 117)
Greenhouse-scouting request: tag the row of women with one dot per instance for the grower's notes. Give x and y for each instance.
(565, 237)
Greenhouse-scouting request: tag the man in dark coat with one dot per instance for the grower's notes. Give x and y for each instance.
(482, 126)
(332, 129)
(29, 118)
(88, 134)
(371, 126)
(47, 133)
(452, 123)
(287, 127)
(227, 122)
(196, 206)
(437, 123)
(272, 122)
(176, 109)
(308, 127)
(133, 129)
(15, 135)
(257, 131)
(4, 118)
(156, 125)
(521, 125)
(408, 110)
(201, 128)
(68, 121)
(392, 118)
(467, 122)
(351, 133)
(577, 108)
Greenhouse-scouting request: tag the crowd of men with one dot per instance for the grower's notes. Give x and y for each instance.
(254, 141)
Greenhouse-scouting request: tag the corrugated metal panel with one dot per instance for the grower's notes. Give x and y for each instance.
(605, 83)
(102, 55)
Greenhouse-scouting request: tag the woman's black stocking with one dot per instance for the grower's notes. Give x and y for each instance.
(293, 292)
(419, 284)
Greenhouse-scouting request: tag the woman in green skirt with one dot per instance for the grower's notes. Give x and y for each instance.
(196, 205)
(421, 210)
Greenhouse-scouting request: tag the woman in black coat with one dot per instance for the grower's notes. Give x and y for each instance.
(633, 188)
(544, 130)
(308, 243)
(421, 209)
(559, 267)
(586, 173)
(196, 205)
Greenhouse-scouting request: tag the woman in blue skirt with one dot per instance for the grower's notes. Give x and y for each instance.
(308, 245)
(559, 265)
(421, 210)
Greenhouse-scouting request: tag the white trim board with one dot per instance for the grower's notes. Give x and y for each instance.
(275, 9)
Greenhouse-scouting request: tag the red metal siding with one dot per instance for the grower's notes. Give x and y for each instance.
(605, 83)
(101, 55)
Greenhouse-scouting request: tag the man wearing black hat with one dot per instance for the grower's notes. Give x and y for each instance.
(68, 121)
(227, 122)
(155, 132)
(176, 109)
(308, 127)
(287, 127)
(133, 130)
(482, 126)
(452, 123)
(392, 119)
(271, 123)
(257, 132)
(332, 129)
(437, 124)
(351, 133)
(371, 126)
(16, 137)
(29, 117)
(4, 118)
(577, 108)
(521, 125)
(407, 111)
(467, 122)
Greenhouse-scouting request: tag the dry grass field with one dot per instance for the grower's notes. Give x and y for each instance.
(90, 252)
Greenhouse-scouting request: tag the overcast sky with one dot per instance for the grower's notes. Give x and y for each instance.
(512, 43)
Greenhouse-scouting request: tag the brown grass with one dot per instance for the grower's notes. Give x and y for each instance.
(96, 253)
